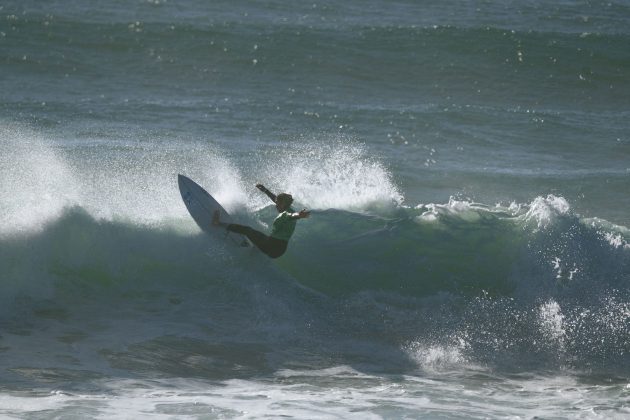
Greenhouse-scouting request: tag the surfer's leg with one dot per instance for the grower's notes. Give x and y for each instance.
(240, 229)
(258, 238)
(276, 247)
(270, 246)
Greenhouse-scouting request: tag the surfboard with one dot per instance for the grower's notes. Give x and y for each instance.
(201, 206)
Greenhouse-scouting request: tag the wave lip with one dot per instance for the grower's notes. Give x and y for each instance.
(463, 248)
(543, 211)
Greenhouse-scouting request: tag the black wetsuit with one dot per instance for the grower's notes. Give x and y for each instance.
(273, 247)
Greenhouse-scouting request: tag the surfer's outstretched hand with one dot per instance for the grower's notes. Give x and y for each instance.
(303, 214)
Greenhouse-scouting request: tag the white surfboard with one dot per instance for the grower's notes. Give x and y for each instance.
(201, 206)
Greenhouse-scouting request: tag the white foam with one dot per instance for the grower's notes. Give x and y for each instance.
(465, 210)
(312, 395)
(437, 357)
(544, 210)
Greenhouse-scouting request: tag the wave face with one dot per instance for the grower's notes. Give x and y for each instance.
(531, 285)
(477, 285)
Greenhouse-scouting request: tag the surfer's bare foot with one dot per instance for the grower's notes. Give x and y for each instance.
(215, 219)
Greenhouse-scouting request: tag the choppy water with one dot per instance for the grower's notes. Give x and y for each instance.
(468, 169)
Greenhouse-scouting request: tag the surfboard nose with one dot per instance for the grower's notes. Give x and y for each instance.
(181, 179)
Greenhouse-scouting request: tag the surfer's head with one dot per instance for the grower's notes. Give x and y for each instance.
(283, 201)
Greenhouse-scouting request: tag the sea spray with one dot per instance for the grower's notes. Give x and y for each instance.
(37, 182)
(330, 172)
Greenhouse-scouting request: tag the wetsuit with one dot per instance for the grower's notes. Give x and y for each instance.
(275, 244)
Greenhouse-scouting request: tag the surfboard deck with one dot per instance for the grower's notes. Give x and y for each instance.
(201, 206)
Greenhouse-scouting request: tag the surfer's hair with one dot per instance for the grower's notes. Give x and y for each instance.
(285, 198)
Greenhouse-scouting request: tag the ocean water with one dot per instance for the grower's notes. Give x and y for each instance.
(467, 165)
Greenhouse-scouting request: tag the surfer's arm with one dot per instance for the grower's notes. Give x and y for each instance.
(303, 214)
(271, 195)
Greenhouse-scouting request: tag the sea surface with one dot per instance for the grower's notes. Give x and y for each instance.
(467, 165)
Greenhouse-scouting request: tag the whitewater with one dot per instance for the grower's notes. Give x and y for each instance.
(466, 167)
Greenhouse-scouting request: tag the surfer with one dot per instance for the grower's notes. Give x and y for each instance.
(275, 244)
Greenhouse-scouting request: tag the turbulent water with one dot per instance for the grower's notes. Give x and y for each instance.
(467, 165)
